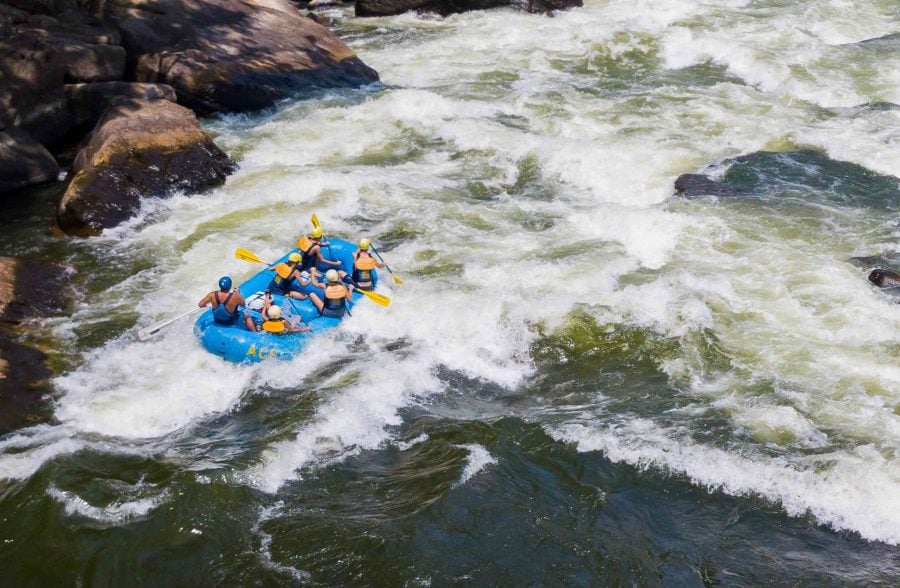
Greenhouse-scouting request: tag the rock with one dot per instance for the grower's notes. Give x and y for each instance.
(93, 63)
(139, 149)
(13, 15)
(232, 55)
(24, 161)
(442, 7)
(31, 96)
(885, 278)
(693, 185)
(88, 101)
(548, 6)
(446, 7)
(28, 289)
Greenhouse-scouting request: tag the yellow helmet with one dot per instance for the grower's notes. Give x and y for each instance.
(332, 276)
(295, 257)
(364, 244)
(274, 312)
(317, 233)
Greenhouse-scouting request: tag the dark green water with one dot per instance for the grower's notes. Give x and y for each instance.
(584, 380)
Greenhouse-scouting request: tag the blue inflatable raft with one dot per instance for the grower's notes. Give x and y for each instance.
(236, 343)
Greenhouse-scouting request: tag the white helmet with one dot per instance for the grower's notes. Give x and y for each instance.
(274, 312)
(332, 276)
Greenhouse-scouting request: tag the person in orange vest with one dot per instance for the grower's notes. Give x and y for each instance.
(336, 295)
(274, 322)
(286, 274)
(227, 304)
(311, 247)
(363, 266)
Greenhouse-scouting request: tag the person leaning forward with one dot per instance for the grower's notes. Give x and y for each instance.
(336, 296)
(364, 265)
(286, 274)
(226, 304)
(274, 322)
(311, 247)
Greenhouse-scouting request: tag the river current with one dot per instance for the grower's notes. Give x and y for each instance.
(584, 380)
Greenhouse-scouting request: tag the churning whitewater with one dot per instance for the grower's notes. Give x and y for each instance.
(517, 171)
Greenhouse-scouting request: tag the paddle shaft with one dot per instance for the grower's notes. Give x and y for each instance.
(145, 334)
(383, 261)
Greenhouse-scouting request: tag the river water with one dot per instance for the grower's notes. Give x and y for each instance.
(584, 380)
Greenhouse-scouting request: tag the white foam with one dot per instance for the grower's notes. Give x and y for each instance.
(854, 490)
(265, 546)
(349, 422)
(115, 513)
(478, 459)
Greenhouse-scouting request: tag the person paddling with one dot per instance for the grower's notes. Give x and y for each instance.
(311, 247)
(226, 305)
(336, 296)
(364, 265)
(274, 322)
(285, 274)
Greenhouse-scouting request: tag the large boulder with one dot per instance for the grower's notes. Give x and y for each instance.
(139, 149)
(31, 93)
(93, 63)
(232, 55)
(24, 161)
(89, 101)
(28, 290)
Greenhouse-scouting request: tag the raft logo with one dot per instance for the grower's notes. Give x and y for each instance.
(262, 353)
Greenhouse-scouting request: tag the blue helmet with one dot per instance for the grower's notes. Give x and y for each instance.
(224, 283)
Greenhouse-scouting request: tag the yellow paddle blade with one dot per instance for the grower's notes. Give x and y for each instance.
(379, 299)
(397, 279)
(245, 255)
(283, 270)
(315, 221)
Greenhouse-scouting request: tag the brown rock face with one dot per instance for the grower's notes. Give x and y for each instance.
(28, 290)
(93, 63)
(31, 92)
(232, 55)
(88, 101)
(139, 149)
(24, 161)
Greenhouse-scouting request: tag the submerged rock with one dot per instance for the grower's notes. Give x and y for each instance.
(442, 7)
(885, 278)
(139, 149)
(693, 185)
(446, 7)
(232, 55)
(803, 173)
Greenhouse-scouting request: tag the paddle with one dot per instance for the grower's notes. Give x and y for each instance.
(148, 332)
(318, 225)
(379, 299)
(397, 279)
(281, 269)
